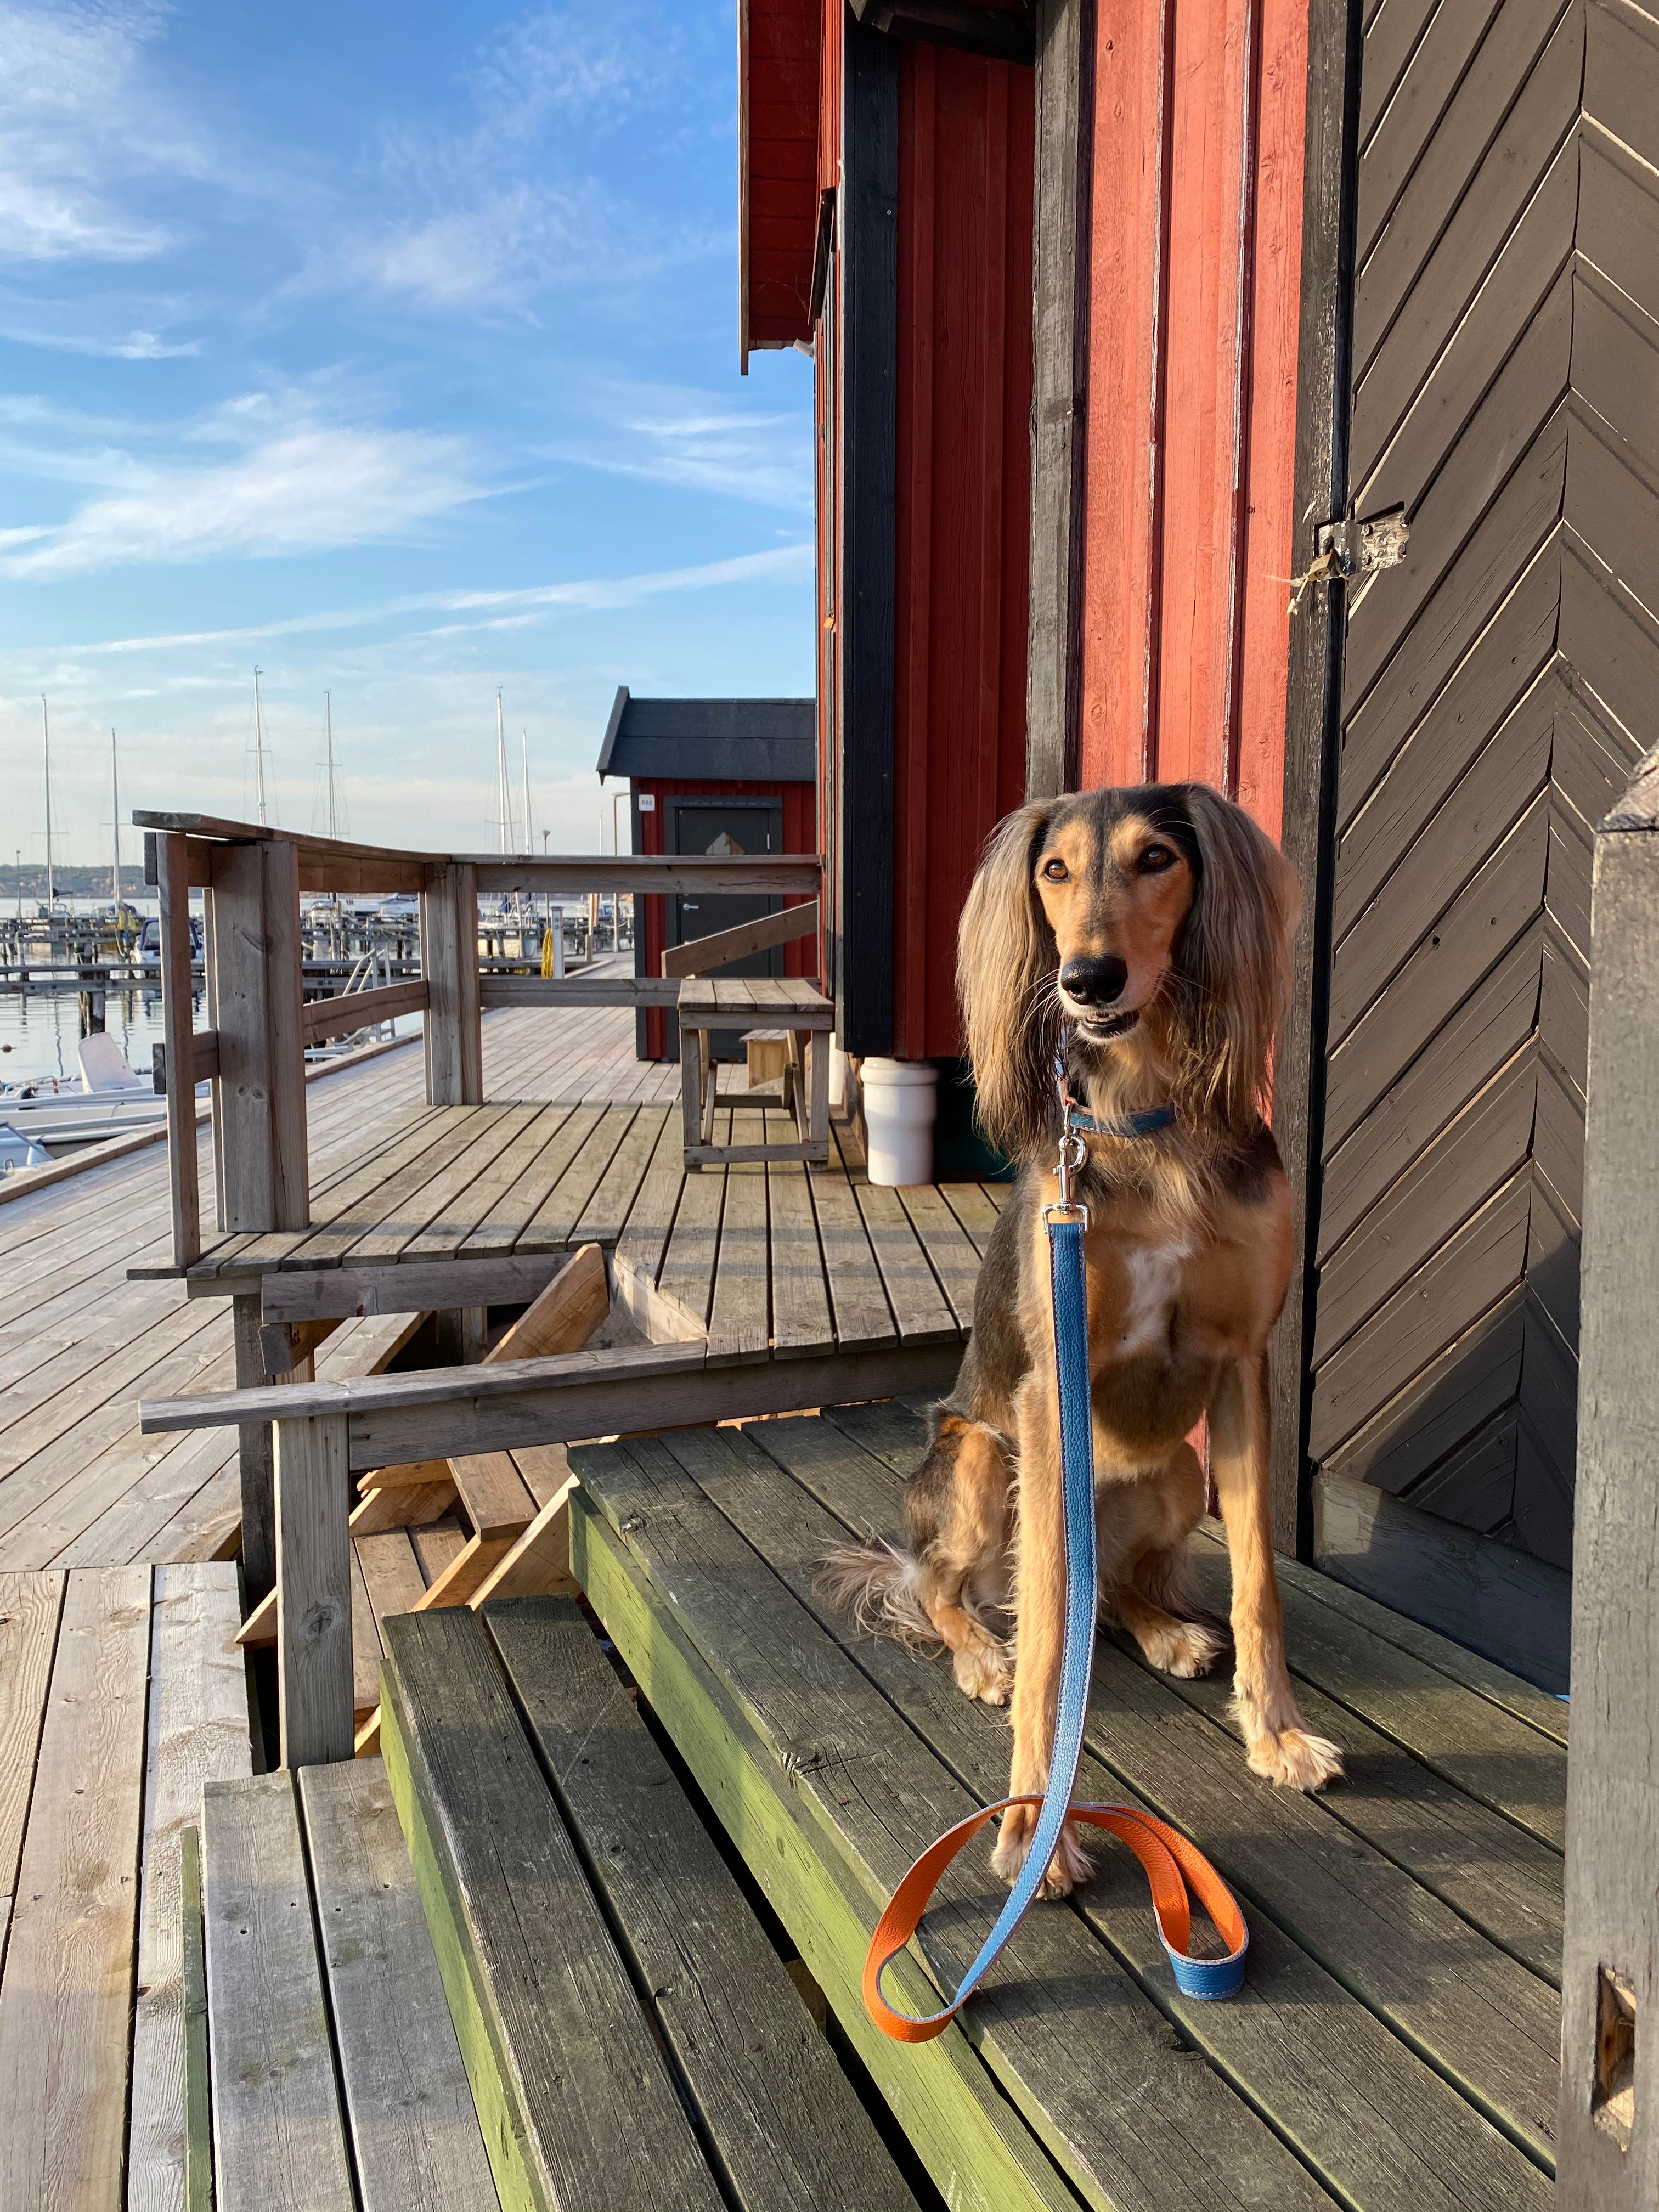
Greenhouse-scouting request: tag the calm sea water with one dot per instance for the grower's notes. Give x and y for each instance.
(42, 1034)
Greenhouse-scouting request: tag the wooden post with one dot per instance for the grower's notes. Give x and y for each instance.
(257, 1475)
(449, 961)
(313, 1590)
(1312, 720)
(259, 1093)
(690, 1088)
(173, 887)
(1059, 292)
(1609, 2115)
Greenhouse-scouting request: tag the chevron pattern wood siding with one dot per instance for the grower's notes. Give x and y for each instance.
(1498, 688)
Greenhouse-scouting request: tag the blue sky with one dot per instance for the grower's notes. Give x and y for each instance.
(393, 349)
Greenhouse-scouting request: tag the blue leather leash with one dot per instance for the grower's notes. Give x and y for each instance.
(1165, 1853)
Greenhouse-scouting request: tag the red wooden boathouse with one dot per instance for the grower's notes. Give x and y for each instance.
(1113, 309)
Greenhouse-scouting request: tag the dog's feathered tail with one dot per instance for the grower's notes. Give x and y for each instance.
(880, 1586)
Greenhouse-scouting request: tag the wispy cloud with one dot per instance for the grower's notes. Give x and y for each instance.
(135, 345)
(504, 248)
(79, 120)
(598, 67)
(499, 213)
(781, 563)
(310, 490)
(698, 443)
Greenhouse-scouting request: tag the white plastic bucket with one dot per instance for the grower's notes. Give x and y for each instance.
(901, 1100)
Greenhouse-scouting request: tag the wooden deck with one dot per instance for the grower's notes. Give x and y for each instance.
(121, 1694)
(399, 2015)
(1395, 2047)
(79, 1344)
(769, 1258)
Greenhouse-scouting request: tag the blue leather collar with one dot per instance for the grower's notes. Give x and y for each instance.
(1145, 1124)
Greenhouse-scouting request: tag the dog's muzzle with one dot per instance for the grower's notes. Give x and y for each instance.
(1091, 985)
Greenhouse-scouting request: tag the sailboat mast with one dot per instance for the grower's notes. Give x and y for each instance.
(46, 740)
(259, 748)
(503, 794)
(328, 711)
(115, 822)
(529, 834)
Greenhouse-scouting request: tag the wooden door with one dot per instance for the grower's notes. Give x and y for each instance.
(723, 827)
(1496, 689)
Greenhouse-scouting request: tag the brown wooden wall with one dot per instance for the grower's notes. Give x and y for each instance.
(1497, 689)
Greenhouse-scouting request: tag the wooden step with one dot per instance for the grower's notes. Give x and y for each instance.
(291, 2025)
(593, 2026)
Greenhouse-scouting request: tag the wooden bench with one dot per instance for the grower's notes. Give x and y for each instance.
(788, 1003)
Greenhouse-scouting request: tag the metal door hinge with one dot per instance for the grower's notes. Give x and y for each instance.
(1348, 548)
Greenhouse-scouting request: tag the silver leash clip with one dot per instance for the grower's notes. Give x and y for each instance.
(1073, 1152)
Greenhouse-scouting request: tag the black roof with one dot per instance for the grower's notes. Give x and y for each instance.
(740, 740)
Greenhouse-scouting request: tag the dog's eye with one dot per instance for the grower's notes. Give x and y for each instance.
(1155, 859)
(1054, 872)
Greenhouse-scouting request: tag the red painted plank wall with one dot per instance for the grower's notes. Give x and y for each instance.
(1196, 269)
(780, 95)
(964, 473)
(800, 835)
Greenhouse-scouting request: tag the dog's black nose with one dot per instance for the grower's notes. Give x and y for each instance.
(1095, 981)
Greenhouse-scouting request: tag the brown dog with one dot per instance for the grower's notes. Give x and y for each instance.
(1149, 929)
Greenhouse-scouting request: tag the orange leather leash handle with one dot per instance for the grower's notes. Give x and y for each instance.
(1170, 1863)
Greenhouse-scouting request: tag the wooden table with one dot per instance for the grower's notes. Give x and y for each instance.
(707, 1002)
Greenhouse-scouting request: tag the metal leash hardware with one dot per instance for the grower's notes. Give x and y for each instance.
(1073, 1152)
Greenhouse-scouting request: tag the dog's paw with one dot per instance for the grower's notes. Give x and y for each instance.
(1184, 1648)
(1295, 1758)
(1070, 1866)
(985, 1672)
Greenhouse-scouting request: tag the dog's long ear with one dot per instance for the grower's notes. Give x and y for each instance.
(1005, 966)
(1236, 955)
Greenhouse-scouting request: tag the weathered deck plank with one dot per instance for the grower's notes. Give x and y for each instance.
(278, 2140)
(29, 1607)
(411, 2114)
(197, 1732)
(67, 1984)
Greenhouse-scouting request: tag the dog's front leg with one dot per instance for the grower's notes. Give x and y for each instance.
(1276, 1736)
(1040, 1615)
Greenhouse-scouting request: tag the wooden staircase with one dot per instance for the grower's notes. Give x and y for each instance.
(505, 1963)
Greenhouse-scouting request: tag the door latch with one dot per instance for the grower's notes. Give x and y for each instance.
(1357, 548)
(1349, 547)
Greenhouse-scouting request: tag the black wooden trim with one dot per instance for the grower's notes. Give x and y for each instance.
(1000, 34)
(822, 244)
(641, 1044)
(1312, 733)
(1061, 204)
(869, 351)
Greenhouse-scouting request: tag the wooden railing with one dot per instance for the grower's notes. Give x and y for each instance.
(1608, 2127)
(259, 1025)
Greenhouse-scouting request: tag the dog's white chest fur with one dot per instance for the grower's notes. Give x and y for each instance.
(1153, 1275)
